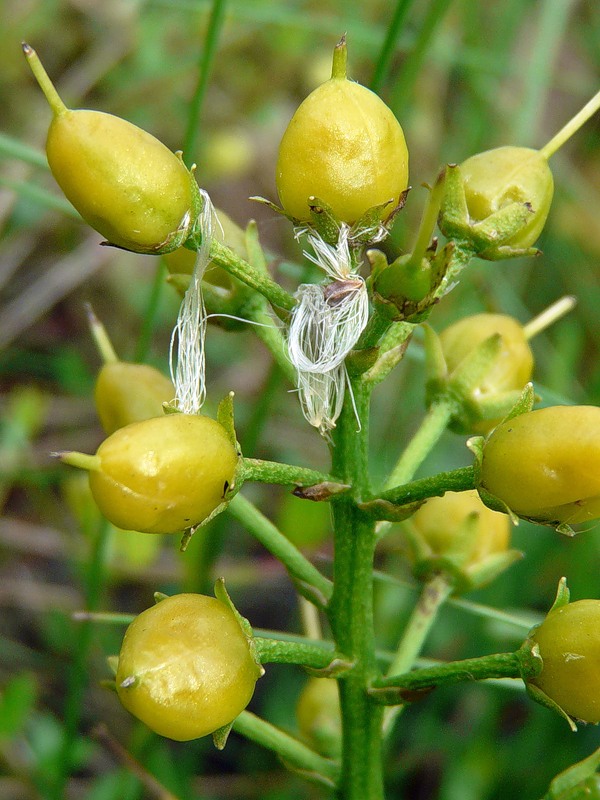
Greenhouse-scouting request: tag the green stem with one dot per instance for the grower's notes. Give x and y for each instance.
(433, 426)
(289, 749)
(433, 596)
(270, 335)
(572, 126)
(277, 651)
(236, 266)
(350, 610)
(390, 690)
(457, 480)
(256, 469)
(206, 60)
(299, 567)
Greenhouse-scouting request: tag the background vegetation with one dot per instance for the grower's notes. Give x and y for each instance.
(461, 76)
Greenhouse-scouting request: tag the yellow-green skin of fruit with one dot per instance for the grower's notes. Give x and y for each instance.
(123, 181)
(495, 178)
(344, 146)
(441, 519)
(319, 716)
(545, 464)
(569, 642)
(510, 370)
(163, 475)
(126, 393)
(191, 665)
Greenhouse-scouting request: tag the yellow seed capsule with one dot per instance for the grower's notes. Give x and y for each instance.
(569, 643)
(441, 521)
(162, 475)
(508, 371)
(126, 393)
(495, 178)
(545, 464)
(185, 667)
(123, 181)
(345, 147)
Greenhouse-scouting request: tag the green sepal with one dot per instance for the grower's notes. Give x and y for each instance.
(221, 735)
(540, 697)
(226, 418)
(113, 663)
(476, 446)
(158, 596)
(107, 683)
(563, 595)
(524, 404)
(256, 254)
(222, 594)
(578, 782)
(489, 238)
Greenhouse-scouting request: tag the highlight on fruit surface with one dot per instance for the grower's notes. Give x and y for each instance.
(569, 645)
(186, 667)
(544, 465)
(124, 182)
(343, 147)
(161, 475)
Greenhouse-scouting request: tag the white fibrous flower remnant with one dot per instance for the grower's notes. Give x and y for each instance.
(326, 323)
(188, 362)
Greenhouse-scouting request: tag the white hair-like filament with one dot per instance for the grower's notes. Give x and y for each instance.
(187, 356)
(326, 323)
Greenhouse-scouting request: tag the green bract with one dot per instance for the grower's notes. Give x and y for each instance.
(494, 179)
(504, 376)
(186, 667)
(163, 475)
(545, 464)
(345, 147)
(569, 644)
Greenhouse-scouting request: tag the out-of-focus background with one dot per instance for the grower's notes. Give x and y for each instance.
(462, 76)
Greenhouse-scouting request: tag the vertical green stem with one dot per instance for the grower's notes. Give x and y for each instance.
(207, 55)
(351, 608)
(78, 673)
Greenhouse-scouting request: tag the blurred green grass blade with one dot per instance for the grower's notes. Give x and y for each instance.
(414, 60)
(551, 30)
(40, 196)
(17, 702)
(387, 51)
(13, 148)
(205, 65)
